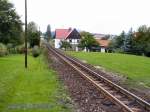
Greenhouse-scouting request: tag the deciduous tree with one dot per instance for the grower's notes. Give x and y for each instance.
(33, 34)
(10, 24)
(87, 41)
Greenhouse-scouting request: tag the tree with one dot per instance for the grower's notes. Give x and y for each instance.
(87, 41)
(48, 33)
(34, 39)
(10, 24)
(119, 41)
(128, 42)
(33, 34)
(137, 43)
(65, 44)
(111, 45)
(147, 49)
(142, 41)
(32, 27)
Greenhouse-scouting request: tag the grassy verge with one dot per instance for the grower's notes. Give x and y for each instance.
(135, 68)
(35, 89)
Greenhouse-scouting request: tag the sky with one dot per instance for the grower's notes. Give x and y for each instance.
(95, 16)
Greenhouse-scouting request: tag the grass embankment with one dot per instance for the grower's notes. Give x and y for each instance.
(35, 89)
(135, 68)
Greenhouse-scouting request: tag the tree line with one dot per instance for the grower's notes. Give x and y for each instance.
(12, 32)
(10, 24)
(132, 42)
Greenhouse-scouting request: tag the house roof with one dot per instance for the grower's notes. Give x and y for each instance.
(99, 36)
(63, 33)
(103, 43)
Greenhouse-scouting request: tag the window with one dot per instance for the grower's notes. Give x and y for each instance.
(70, 40)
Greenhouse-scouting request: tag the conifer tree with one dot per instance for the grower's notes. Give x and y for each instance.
(48, 33)
(128, 42)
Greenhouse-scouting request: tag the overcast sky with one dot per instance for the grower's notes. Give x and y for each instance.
(97, 16)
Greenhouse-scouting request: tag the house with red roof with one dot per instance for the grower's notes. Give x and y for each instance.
(104, 44)
(70, 35)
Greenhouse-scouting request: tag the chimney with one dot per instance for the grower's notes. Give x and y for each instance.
(69, 29)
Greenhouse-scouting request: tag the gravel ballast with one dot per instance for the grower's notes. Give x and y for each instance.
(85, 96)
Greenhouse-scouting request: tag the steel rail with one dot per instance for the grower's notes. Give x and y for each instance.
(73, 63)
(122, 90)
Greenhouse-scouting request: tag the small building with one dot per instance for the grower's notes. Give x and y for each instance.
(103, 44)
(70, 35)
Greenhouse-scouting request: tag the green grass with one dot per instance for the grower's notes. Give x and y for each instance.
(35, 89)
(135, 68)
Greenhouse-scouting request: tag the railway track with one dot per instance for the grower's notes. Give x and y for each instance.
(124, 99)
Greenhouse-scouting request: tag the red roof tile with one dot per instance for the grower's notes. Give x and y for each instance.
(62, 33)
(103, 43)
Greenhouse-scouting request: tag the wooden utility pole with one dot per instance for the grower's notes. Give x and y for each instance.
(26, 49)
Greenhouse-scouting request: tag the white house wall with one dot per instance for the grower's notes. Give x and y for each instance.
(103, 50)
(73, 41)
(57, 43)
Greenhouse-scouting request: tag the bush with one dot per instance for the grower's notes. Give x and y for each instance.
(11, 48)
(65, 45)
(35, 51)
(119, 50)
(20, 49)
(3, 50)
(15, 49)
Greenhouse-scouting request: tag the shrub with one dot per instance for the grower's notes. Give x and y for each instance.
(118, 50)
(10, 48)
(15, 49)
(35, 51)
(65, 45)
(3, 50)
(20, 49)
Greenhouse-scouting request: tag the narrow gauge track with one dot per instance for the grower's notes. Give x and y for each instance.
(124, 99)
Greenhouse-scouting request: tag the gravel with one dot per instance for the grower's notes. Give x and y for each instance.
(86, 98)
(120, 80)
